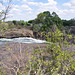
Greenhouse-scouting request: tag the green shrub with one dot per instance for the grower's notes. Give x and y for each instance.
(3, 26)
(56, 59)
(36, 28)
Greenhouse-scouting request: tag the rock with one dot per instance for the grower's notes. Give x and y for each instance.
(71, 29)
(16, 33)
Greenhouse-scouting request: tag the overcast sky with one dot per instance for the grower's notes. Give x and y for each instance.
(28, 9)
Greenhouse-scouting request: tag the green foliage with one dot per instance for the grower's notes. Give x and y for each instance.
(36, 28)
(30, 21)
(2, 71)
(70, 22)
(51, 61)
(14, 22)
(48, 20)
(55, 59)
(20, 23)
(57, 20)
(56, 36)
(3, 26)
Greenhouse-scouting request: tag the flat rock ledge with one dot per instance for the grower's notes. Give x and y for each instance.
(16, 33)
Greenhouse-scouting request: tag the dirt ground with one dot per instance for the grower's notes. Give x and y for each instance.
(12, 52)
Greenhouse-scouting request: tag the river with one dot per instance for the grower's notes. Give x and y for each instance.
(21, 40)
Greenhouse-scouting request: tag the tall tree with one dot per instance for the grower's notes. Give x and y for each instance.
(57, 20)
(6, 6)
(44, 20)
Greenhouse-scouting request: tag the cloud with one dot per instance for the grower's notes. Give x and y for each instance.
(66, 13)
(69, 11)
(50, 2)
(70, 4)
(29, 9)
(67, 4)
(19, 12)
(27, 0)
(25, 7)
(20, 8)
(40, 6)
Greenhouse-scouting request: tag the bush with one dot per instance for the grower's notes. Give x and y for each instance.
(36, 28)
(56, 59)
(3, 26)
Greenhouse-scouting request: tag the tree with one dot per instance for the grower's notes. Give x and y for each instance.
(6, 8)
(36, 28)
(22, 22)
(14, 22)
(57, 20)
(30, 21)
(45, 19)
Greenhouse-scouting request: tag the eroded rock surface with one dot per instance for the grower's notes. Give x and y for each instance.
(15, 33)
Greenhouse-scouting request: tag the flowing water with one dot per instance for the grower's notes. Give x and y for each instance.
(21, 40)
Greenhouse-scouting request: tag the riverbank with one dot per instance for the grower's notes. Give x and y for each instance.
(25, 47)
(12, 53)
(15, 47)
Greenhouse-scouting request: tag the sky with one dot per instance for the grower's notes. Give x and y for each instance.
(29, 9)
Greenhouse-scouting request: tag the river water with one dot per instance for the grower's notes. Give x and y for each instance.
(21, 40)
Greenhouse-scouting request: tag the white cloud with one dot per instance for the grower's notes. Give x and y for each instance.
(40, 7)
(52, 2)
(67, 4)
(15, 6)
(26, 11)
(69, 11)
(66, 13)
(27, 0)
(29, 9)
(14, 10)
(50, 6)
(35, 3)
(25, 7)
(19, 12)
(20, 8)
(70, 4)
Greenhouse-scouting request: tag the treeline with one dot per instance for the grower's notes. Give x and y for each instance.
(15, 22)
(44, 21)
(70, 22)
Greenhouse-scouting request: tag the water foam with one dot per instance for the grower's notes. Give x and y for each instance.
(23, 40)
